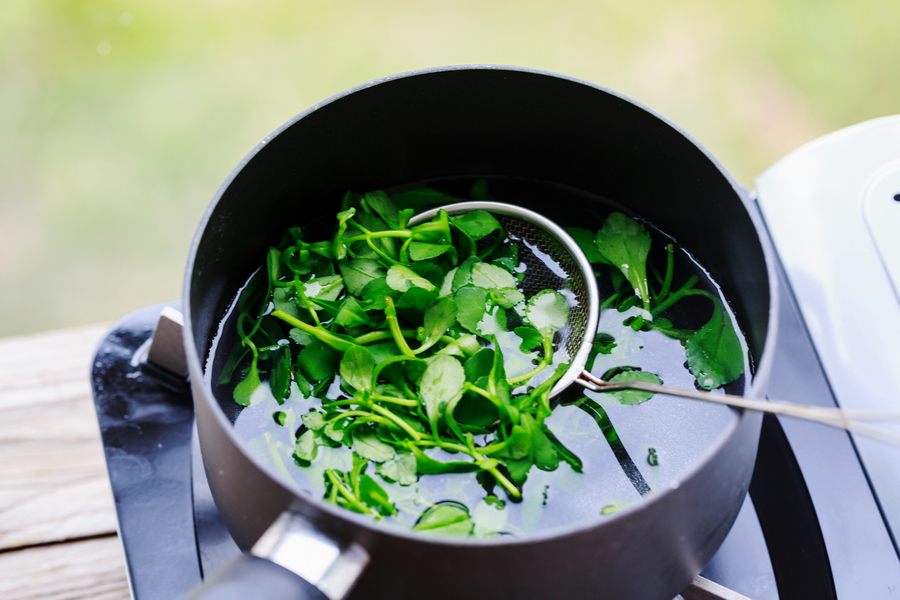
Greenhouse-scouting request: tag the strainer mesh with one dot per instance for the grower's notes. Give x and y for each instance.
(533, 242)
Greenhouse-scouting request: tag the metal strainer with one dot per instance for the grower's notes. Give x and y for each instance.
(553, 260)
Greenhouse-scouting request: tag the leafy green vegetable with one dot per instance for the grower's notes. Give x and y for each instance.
(585, 240)
(624, 243)
(369, 446)
(280, 380)
(547, 311)
(402, 469)
(359, 272)
(714, 352)
(413, 322)
(357, 367)
(531, 338)
(441, 386)
(445, 519)
(306, 449)
(489, 517)
(472, 303)
(438, 318)
(402, 278)
(317, 361)
(633, 396)
(490, 277)
(245, 388)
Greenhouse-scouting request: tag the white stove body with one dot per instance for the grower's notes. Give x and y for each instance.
(832, 208)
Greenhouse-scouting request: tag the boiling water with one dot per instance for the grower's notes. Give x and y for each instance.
(628, 451)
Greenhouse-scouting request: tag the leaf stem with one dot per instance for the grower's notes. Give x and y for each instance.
(397, 420)
(339, 344)
(394, 233)
(675, 297)
(548, 357)
(670, 267)
(391, 316)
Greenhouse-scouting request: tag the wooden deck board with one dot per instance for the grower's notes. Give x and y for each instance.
(54, 487)
(83, 570)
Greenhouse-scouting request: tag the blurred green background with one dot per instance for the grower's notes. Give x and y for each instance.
(120, 118)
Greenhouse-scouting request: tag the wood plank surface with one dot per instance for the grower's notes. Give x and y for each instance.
(54, 487)
(85, 570)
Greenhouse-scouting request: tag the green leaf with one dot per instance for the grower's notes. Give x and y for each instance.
(547, 311)
(402, 469)
(386, 208)
(301, 337)
(338, 247)
(497, 384)
(474, 409)
(334, 433)
(585, 241)
(489, 277)
(280, 379)
(284, 298)
(472, 304)
(531, 338)
(245, 388)
(357, 367)
(351, 314)
(479, 365)
(518, 444)
(545, 455)
(429, 466)
(274, 265)
(313, 420)
(413, 303)
(375, 292)
(438, 318)
(493, 322)
(518, 469)
(371, 494)
(424, 250)
(447, 285)
(633, 396)
(445, 519)
(462, 347)
(359, 272)
(370, 447)
(603, 344)
(306, 449)
(476, 224)
(625, 243)
(430, 271)
(506, 256)
(489, 518)
(563, 452)
(463, 275)
(317, 361)
(507, 297)
(402, 278)
(441, 385)
(324, 288)
(714, 353)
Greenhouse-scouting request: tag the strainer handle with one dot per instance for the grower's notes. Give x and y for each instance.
(836, 417)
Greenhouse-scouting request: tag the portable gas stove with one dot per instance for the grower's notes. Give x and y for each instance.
(823, 514)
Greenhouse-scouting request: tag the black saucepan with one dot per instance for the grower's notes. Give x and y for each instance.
(482, 121)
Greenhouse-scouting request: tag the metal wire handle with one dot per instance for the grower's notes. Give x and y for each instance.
(836, 417)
